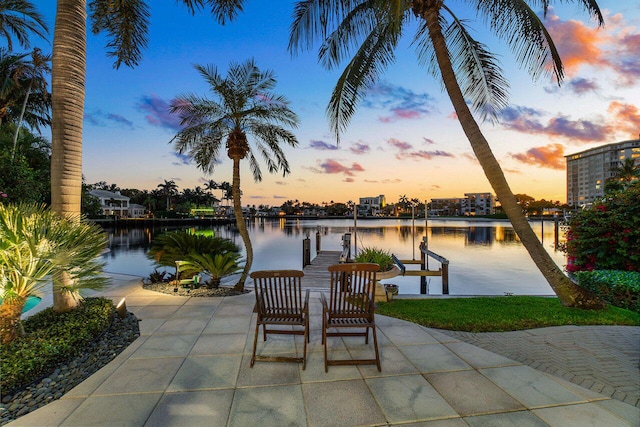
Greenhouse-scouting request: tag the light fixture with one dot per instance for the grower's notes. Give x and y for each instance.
(121, 308)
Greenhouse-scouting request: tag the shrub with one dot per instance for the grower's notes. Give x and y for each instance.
(377, 256)
(606, 236)
(174, 246)
(51, 339)
(618, 288)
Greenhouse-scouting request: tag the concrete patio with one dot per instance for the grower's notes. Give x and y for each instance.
(190, 367)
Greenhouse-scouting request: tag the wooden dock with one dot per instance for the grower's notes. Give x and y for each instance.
(316, 274)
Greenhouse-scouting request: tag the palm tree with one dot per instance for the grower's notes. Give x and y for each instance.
(168, 188)
(244, 105)
(18, 18)
(35, 74)
(126, 25)
(469, 73)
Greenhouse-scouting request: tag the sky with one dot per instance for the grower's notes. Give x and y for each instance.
(404, 139)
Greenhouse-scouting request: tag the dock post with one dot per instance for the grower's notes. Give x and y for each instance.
(556, 226)
(306, 252)
(445, 277)
(317, 241)
(423, 266)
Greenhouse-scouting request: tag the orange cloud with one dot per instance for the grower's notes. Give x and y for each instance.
(550, 156)
(626, 118)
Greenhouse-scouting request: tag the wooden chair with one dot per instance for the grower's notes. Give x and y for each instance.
(350, 305)
(279, 303)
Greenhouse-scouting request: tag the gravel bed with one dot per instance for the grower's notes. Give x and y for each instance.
(120, 334)
(203, 291)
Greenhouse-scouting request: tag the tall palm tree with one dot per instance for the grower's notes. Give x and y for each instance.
(468, 71)
(126, 26)
(169, 189)
(18, 18)
(244, 105)
(35, 74)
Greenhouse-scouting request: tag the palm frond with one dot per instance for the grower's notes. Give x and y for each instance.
(19, 18)
(524, 32)
(127, 26)
(591, 6)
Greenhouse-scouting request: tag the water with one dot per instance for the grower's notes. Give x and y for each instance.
(485, 257)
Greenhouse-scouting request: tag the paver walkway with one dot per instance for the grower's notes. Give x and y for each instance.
(190, 367)
(605, 359)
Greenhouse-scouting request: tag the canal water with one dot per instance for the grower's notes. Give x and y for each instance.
(485, 257)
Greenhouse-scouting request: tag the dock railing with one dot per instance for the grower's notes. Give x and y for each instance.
(424, 271)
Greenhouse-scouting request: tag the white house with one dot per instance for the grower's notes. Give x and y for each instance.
(116, 204)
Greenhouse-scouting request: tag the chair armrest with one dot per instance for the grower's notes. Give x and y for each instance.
(259, 307)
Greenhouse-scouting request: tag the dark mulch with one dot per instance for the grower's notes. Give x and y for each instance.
(203, 291)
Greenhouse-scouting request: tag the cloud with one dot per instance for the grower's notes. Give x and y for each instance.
(398, 102)
(102, 119)
(331, 166)
(275, 196)
(581, 44)
(550, 156)
(577, 86)
(626, 118)
(405, 153)
(428, 140)
(529, 120)
(157, 110)
(281, 183)
(183, 159)
(321, 145)
(348, 180)
(471, 157)
(360, 148)
(400, 145)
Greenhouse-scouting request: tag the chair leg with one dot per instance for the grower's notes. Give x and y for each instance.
(264, 330)
(255, 343)
(366, 335)
(324, 342)
(375, 346)
(306, 340)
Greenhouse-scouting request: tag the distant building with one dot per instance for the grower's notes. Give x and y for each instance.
(588, 170)
(471, 205)
(372, 205)
(478, 204)
(115, 204)
(446, 206)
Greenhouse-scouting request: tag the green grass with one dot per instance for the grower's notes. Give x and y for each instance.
(501, 313)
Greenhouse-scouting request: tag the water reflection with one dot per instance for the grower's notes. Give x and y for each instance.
(486, 258)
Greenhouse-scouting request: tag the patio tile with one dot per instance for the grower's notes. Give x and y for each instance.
(452, 422)
(141, 376)
(149, 326)
(409, 398)
(210, 344)
(213, 302)
(470, 393)
(532, 388)
(392, 362)
(623, 410)
(507, 419)
(314, 371)
(478, 357)
(268, 407)
(185, 325)
(193, 409)
(343, 403)
(583, 415)
(228, 325)
(407, 334)
(155, 311)
(433, 358)
(207, 372)
(129, 410)
(174, 345)
(268, 373)
(226, 309)
(191, 311)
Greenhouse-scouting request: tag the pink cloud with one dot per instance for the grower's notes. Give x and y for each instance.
(332, 166)
(550, 156)
(360, 148)
(425, 155)
(400, 145)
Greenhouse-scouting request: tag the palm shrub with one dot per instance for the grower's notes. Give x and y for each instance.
(174, 246)
(35, 243)
(377, 256)
(215, 265)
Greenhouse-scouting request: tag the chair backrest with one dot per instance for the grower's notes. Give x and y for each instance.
(353, 289)
(278, 291)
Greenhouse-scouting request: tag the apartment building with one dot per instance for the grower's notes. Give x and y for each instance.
(371, 205)
(587, 171)
(478, 204)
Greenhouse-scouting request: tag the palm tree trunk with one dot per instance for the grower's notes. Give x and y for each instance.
(24, 107)
(242, 226)
(568, 292)
(67, 102)
(10, 312)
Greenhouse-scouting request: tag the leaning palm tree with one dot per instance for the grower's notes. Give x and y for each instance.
(469, 72)
(18, 18)
(126, 26)
(244, 106)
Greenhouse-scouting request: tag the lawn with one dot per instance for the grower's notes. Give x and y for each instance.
(497, 314)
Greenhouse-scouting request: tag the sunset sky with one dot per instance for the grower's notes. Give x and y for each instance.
(404, 138)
